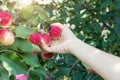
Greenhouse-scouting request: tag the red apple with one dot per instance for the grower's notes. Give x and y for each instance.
(46, 38)
(6, 37)
(55, 32)
(35, 38)
(47, 55)
(5, 19)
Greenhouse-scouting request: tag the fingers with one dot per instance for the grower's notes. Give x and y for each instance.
(42, 31)
(59, 45)
(55, 48)
(44, 46)
(59, 25)
(59, 49)
(56, 24)
(65, 29)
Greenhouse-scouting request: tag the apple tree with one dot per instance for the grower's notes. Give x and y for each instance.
(96, 22)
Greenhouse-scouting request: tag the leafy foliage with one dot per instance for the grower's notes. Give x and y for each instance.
(96, 22)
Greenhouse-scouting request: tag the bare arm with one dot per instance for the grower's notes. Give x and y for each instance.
(105, 64)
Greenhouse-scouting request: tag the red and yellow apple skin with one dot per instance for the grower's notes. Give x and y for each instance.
(6, 37)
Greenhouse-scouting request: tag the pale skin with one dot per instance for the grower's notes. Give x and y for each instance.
(105, 64)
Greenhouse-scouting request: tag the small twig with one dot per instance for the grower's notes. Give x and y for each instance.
(72, 67)
(90, 77)
(49, 77)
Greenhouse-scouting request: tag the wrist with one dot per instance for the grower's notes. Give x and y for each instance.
(75, 44)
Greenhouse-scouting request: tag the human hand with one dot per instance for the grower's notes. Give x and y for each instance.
(64, 43)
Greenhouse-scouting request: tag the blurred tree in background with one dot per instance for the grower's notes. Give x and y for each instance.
(96, 22)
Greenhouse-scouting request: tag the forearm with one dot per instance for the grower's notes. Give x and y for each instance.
(106, 65)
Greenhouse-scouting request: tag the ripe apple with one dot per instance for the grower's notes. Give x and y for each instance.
(55, 32)
(47, 55)
(5, 19)
(35, 38)
(46, 38)
(6, 37)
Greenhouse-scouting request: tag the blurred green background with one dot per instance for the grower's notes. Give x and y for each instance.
(96, 22)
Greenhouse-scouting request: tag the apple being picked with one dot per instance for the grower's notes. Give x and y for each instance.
(48, 41)
(55, 32)
(6, 37)
(35, 38)
(46, 38)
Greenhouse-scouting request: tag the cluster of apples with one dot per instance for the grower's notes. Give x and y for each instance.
(6, 35)
(54, 33)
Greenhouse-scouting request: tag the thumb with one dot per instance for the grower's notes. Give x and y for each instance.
(52, 49)
(44, 46)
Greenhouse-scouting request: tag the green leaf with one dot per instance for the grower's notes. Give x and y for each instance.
(40, 70)
(62, 72)
(105, 3)
(31, 60)
(35, 20)
(26, 46)
(3, 74)
(117, 4)
(23, 32)
(78, 6)
(50, 63)
(117, 28)
(70, 59)
(23, 45)
(11, 5)
(77, 76)
(105, 44)
(39, 73)
(27, 11)
(42, 13)
(35, 48)
(13, 63)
